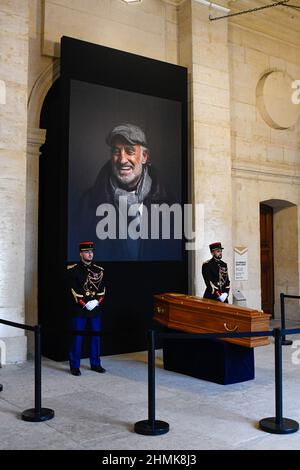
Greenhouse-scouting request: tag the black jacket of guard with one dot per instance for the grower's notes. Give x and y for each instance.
(85, 283)
(215, 274)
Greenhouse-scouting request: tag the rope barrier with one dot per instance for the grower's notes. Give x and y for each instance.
(291, 296)
(17, 325)
(276, 425)
(36, 414)
(291, 331)
(285, 342)
(151, 426)
(181, 335)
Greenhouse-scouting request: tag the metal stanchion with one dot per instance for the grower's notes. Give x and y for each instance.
(151, 427)
(37, 413)
(1, 387)
(284, 342)
(278, 424)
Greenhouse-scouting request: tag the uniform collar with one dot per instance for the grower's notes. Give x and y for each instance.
(86, 265)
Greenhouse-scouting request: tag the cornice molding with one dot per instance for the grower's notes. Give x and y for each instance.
(263, 172)
(262, 33)
(242, 22)
(35, 136)
(216, 6)
(213, 5)
(175, 3)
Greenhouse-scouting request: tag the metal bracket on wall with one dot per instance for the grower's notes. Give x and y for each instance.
(243, 12)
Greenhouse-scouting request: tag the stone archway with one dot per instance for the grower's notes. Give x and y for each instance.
(39, 91)
(35, 138)
(286, 246)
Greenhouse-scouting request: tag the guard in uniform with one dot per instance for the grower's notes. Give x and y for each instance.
(215, 274)
(87, 293)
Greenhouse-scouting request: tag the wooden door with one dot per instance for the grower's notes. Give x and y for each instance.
(267, 259)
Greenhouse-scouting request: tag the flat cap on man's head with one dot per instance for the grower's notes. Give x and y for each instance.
(132, 133)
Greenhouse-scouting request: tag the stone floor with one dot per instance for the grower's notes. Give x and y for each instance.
(98, 411)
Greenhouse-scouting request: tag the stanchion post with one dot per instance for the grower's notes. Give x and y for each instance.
(284, 342)
(151, 427)
(278, 424)
(151, 379)
(37, 413)
(1, 387)
(37, 370)
(278, 376)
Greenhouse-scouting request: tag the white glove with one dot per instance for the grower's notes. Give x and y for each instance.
(223, 297)
(91, 304)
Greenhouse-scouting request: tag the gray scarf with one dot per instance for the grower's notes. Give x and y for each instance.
(133, 197)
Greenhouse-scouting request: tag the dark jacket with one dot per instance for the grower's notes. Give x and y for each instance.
(85, 283)
(215, 274)
(118, 249)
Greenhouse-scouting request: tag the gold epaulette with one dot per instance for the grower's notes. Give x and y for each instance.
(100, 267)
(70, 266)
(207, 261)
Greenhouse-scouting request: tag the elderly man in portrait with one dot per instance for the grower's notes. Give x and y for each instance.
(127, 176)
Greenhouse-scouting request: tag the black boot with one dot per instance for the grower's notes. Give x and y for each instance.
(99, 369)
(75, 371)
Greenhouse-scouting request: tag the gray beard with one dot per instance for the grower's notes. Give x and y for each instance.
(136, 196)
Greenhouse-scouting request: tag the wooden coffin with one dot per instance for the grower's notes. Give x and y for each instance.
(196, 315)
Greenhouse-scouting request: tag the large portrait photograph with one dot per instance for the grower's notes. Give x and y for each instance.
(125, 179)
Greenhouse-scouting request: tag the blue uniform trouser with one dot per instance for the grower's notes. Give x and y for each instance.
(79, 324)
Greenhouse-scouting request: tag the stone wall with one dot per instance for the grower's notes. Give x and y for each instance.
(13, 116)
(148, 29)
(204, 50)
(265, 158)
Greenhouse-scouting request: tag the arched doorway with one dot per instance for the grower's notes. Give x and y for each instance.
(49, 205)
(279, 254)
(267, 258)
